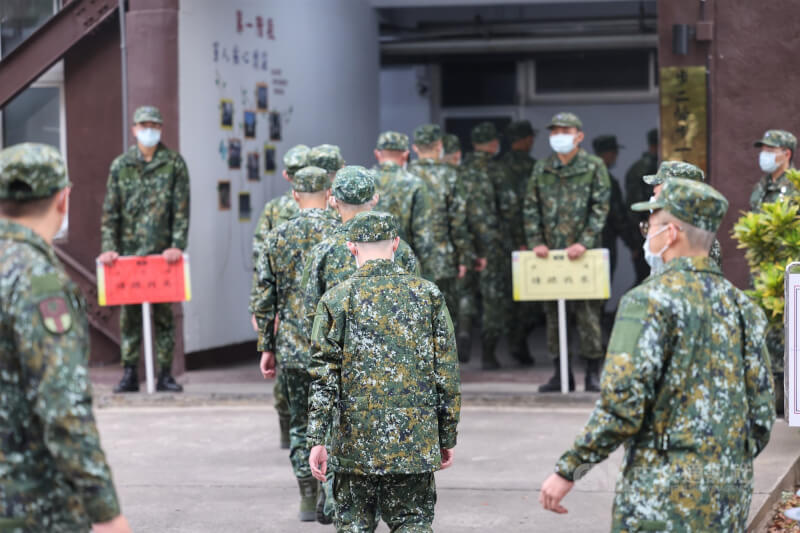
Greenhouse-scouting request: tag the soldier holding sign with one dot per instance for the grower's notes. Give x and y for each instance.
(146, 211)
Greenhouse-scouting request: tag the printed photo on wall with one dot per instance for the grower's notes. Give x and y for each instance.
(274, 126)
(269, 159)
(224, 195)
(249, 124)
(234, 153)
(253, 167)
(226, 114)
(262, 97)
(244, 206)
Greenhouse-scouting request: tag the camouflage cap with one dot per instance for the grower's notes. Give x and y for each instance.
(565, 120)
(605, 143)
(29, 171)
(296, 158)
(427, 134)
(693, 202)
(327, 156)
(519, 129)
(371, 226)
(354, 185)
(674, 169)
(392, 140)
(652, 137)
(147, 113)
(778, 139)
(451, 143)
(311, 179)
(483, 133)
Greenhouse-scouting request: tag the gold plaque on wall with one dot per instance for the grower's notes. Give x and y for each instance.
(684, 111)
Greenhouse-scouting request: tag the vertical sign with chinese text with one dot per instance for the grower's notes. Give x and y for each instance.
(684, 112)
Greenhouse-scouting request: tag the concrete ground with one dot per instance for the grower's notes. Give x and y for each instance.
(219, 469)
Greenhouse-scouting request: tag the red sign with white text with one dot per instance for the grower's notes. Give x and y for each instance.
(136, 280)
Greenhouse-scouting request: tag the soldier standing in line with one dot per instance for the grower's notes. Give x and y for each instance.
(451, 146)
(636, 191)
(54, 472)
(518, 160)
(409, 200)
(284, 205)
(566, 208)
(683, 340)
(384, 352)
(775, 158)
(450, 200)
(146, 211)
(280, 269)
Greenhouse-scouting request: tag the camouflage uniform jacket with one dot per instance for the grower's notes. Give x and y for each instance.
(482, 219)
(384, 349)
(637, 190)
(280, 271)
(449, 191)
(687, 388)
(406, 196)
(768, 190)
(53, 473)
(567, 204)
(146, 209)
(507, 204)
(520, 165)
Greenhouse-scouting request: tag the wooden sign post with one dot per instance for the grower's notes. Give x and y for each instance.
(144, 280)
(557, 278)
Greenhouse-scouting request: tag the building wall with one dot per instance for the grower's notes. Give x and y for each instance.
(322, 76)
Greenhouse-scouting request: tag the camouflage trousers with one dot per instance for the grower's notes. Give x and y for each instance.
(467, 294)
(279, 395)
(130, 325)
(776, 347)
(405, 502)
(494, 283)
(297, 384)
(588, 317)
(450, 292)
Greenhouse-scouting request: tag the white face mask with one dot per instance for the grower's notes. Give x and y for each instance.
(63, 231)
(767, 162)
(562, 143)
(148, 137)
(655, 260)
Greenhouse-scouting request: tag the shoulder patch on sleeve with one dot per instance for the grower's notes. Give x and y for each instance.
(628, 327)
(46, 284)
(56, 316)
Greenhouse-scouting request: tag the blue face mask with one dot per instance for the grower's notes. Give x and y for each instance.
(148, 137)
(655, 260)
(562, 143)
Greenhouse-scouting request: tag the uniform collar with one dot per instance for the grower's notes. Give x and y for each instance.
(692, 264)
(774, 183)
(556, 163)
(379, 267)
(13, 231)
(388, 165)
(426, 161)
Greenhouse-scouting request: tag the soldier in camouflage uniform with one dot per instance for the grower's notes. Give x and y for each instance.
(636, 191)
(451, 150)
(146, 211)
(777, 152)
(680, 169)
(409, 200)
(53, 472)
(518, 160)
(280, 296)
(384, 353)
(450, 200)
(687, 387)
(272, 217)
(566, 208)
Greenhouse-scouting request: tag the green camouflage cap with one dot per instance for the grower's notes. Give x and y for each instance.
(147, 113)
(392, 140)
(451, 143)
(519, 129)
(693, 202)
(354, 185)
(296, 158)
(327, 156)
(565, 120)
(29, 171)
(674, 169)
(483, 133)
(652, 137)
(605, 143)
(311, 179)
(371, 226)
(778, 139)
(427, 134)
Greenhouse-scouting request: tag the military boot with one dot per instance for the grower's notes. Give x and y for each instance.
(488, 359)
(779, 396)
(129, 381)
(592, 379)
(308, 498)
(283, 422)
(166, 383)
(554, 383)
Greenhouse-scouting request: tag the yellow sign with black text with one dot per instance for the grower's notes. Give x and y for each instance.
(557, 278)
